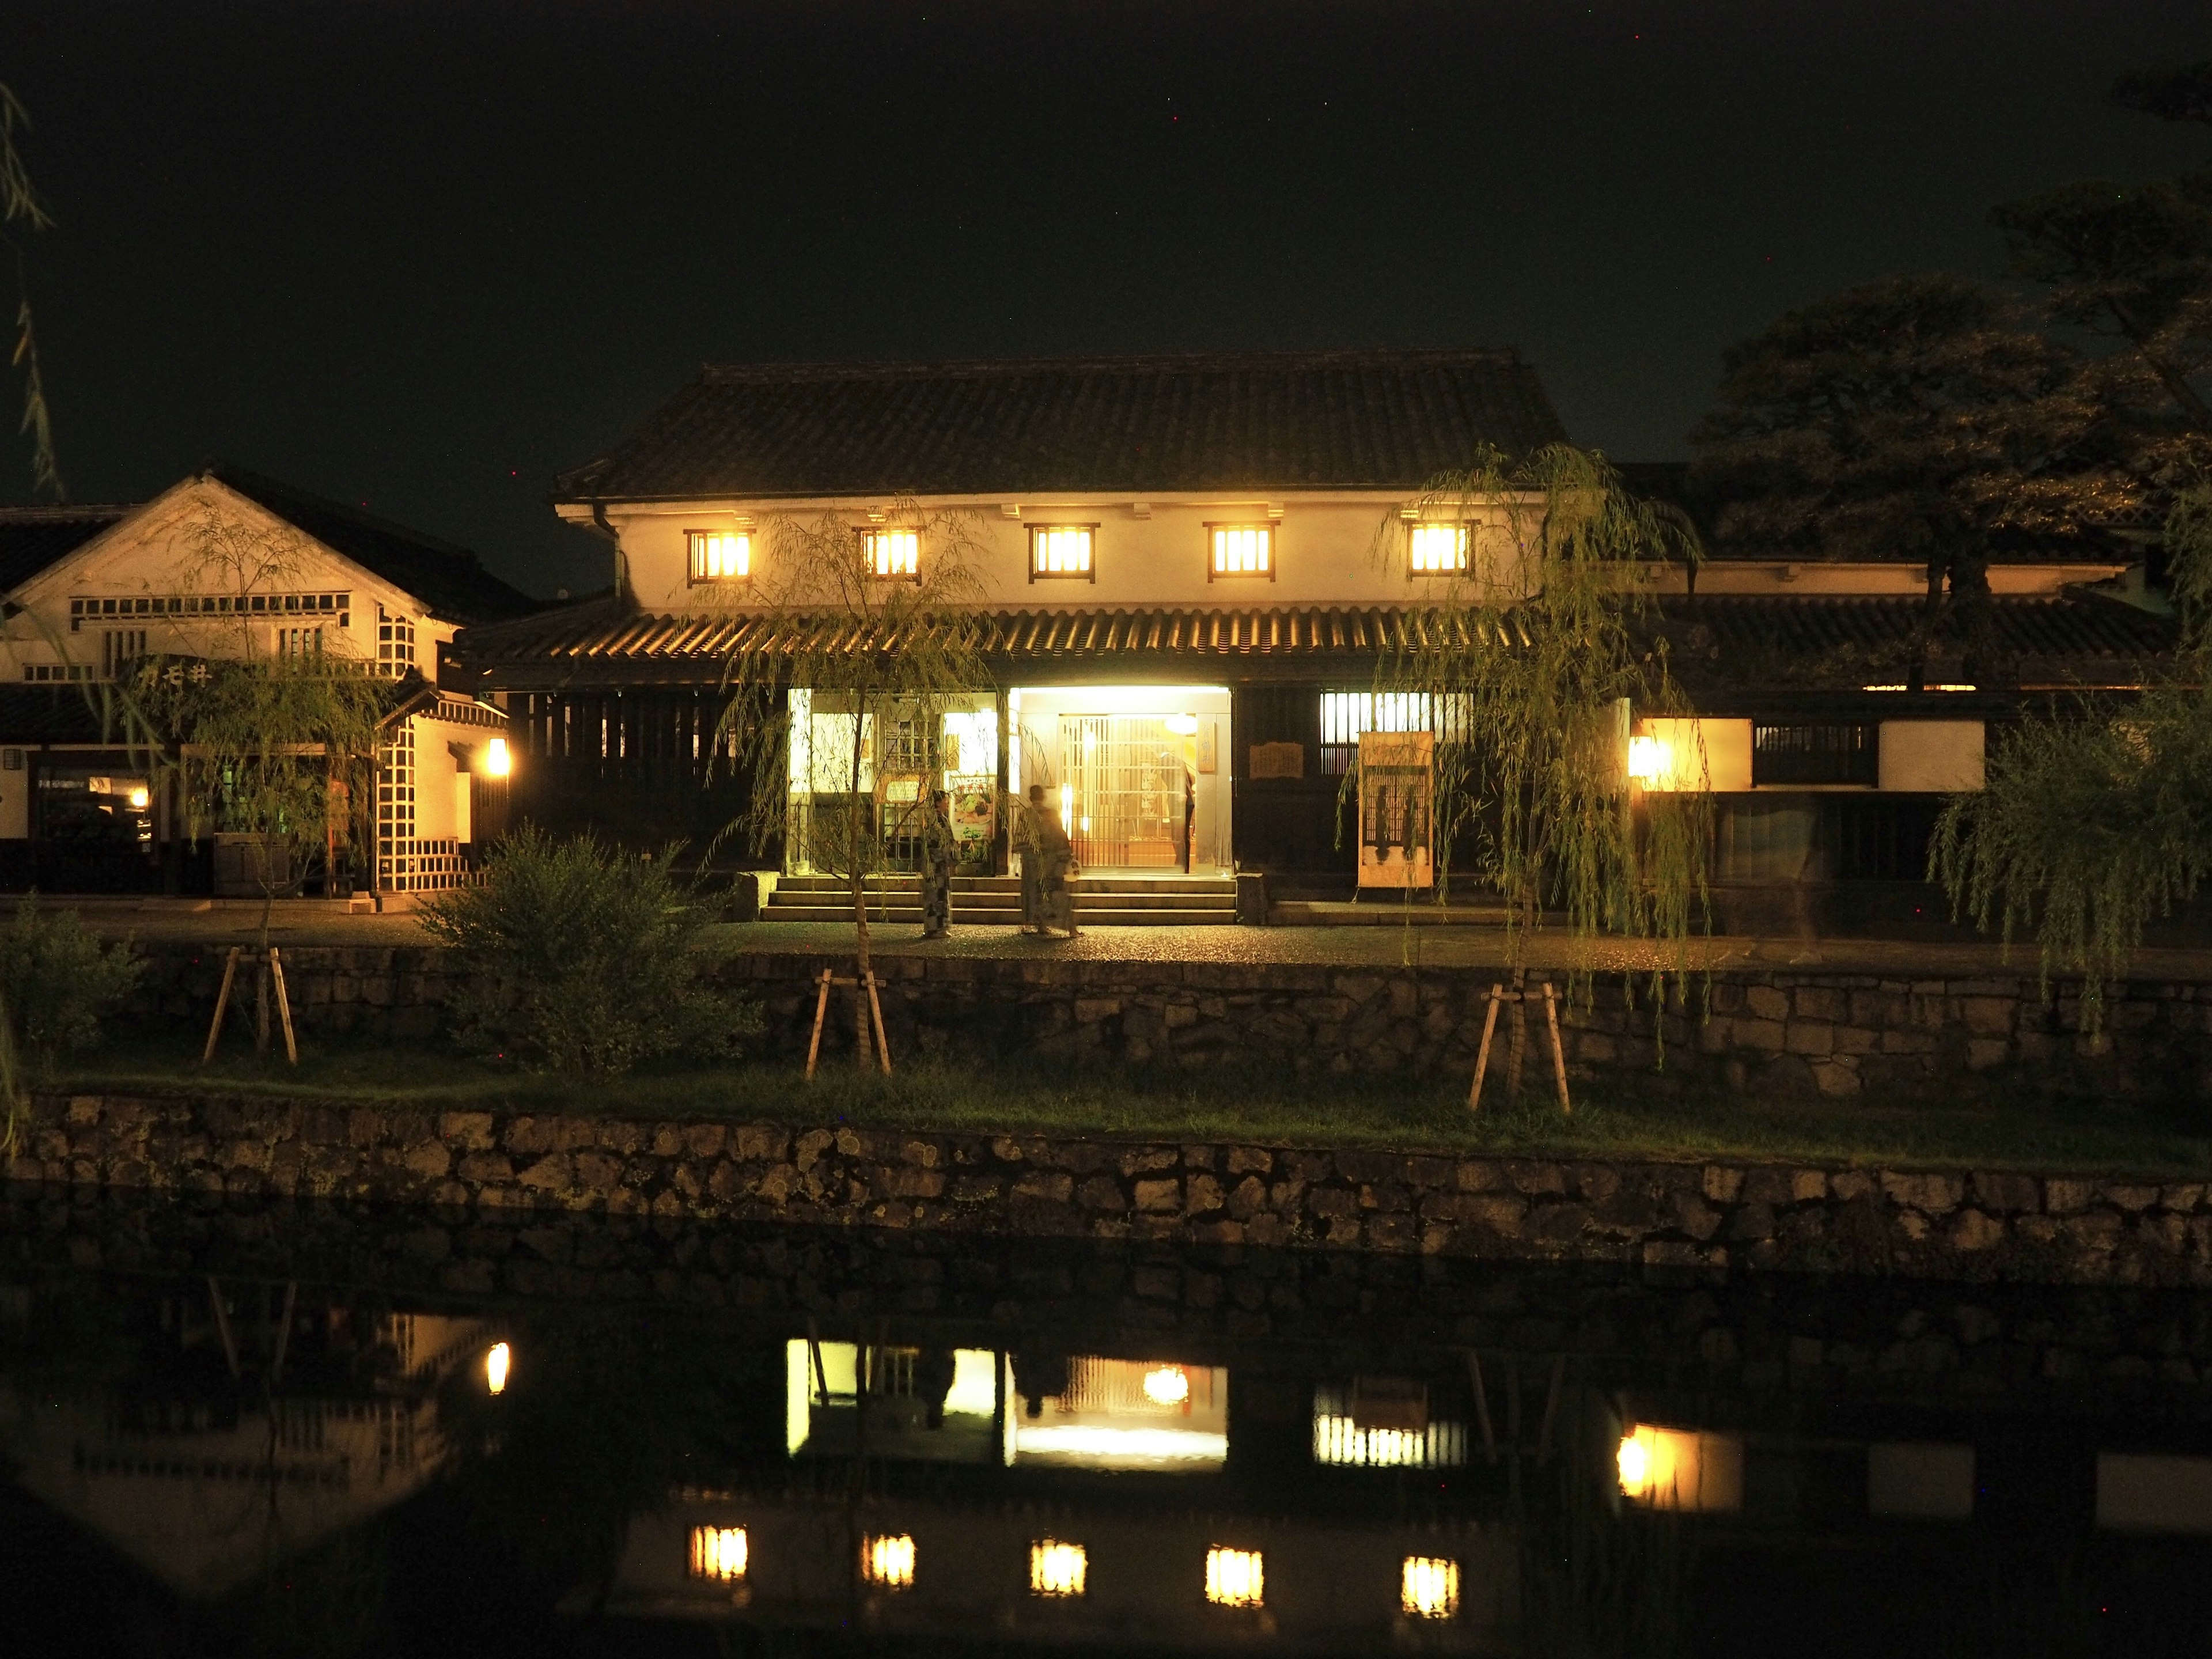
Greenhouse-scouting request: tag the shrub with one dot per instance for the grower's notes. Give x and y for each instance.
(584, 959)
(57, 979)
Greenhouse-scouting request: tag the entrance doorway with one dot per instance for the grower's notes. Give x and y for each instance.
(1130, 791)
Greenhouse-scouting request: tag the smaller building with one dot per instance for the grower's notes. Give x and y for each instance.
(224, 564)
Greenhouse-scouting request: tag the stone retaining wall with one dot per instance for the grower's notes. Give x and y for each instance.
(1919, 1223)
(1769, 1032)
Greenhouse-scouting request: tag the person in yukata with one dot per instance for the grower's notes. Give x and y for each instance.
(937, 854)
(1029, 841)
(1056, 863)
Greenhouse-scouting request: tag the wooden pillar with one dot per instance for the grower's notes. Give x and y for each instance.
(1002, 830)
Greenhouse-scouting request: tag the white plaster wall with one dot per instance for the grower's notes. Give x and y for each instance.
(1931, 756)
(1325, 554)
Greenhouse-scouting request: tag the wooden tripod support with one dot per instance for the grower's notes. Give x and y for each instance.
(1499, 996)
(823, 981)
(273, 965)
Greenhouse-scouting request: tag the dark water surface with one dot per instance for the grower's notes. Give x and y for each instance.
(272, 1430)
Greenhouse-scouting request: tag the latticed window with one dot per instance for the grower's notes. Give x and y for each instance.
(299, 643)
(395, 806)
(893, 552)
(395, 643)
(720, 556)
(1345, 714)
(1813, 754)
(1060, 549)
(1436, 549)
(1247, 549)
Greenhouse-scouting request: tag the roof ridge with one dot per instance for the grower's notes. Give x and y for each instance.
(924, 368)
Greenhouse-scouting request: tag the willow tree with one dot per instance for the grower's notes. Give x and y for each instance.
(2095, 819)
(856, 641)
(1528, 648)
(22, 211)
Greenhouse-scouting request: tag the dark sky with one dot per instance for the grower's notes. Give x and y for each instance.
(423, 255)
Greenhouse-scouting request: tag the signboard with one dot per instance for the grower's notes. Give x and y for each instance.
(1278, 760)
(1397, 809)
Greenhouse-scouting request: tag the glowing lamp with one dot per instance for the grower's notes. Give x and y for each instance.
(887, 1559)
(1183, 726)
(1648, 758)
(497, 1362)
(1234, 1579)
(1681, 1469)
(1635, 1463)
(1056, 1569)
(1167, 1385)
(139, 798)
(718, 1552)
(1431, 1589)
(497, 763)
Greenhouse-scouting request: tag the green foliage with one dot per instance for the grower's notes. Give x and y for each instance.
(585, 960)
(57, 980)
(20, 206)
(1530, 653)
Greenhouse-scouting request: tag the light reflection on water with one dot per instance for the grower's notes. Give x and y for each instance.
(744, 1440)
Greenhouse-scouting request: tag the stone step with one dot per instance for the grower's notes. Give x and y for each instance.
(1089, 916)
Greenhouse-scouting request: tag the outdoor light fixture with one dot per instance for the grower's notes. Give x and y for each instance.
(1056, 1569)
(1648, 758)
(1183, 726)
(887, 1559)
(1432, 1587)
(497, 763)
(1167, 1385)
(1234, 1579)
(719, 1553)
(496, 1361)
(139, 797)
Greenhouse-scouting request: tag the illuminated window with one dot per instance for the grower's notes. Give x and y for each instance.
(719, 1552)
(893, 552)
(1056, 1569)
(1234, 1577)
(1345, 714)
(1060, 549)
(1243, 549)
(887, 1559)
(720, 556)
(1432, 1587)
(1436, 549)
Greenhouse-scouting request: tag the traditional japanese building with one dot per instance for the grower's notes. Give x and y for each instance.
(1194, 566)
(222, 563)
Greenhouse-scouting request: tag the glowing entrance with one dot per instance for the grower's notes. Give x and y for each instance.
(1137, 772)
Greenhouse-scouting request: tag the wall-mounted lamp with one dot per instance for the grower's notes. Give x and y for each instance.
(497, 762)
(1183, 726)
(1648, 758)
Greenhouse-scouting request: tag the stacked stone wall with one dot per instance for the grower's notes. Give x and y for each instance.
(1987, 1224)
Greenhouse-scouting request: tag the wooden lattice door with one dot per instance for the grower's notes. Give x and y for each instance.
(1127, 789)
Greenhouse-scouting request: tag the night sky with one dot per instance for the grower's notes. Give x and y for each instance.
(420, 256)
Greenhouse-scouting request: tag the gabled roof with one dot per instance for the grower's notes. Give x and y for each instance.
(1389, 419)
(444, 577)
(32, 538)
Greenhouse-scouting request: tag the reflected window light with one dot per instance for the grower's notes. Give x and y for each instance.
(1680, 1469)
(1167, 1385)
(887, 1559)
(497, 1362)
(718, 1552)
(1056, 1569)
(1432, 1587)
(1234, 1579)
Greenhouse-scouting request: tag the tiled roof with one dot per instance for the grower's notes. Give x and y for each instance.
(1344, 419)
(32, 538)
(444, 577)
(604, 642)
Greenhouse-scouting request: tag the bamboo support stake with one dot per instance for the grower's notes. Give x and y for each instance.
(222, 1005)
(821, 1012)
(284, 1008)
(1482, 1054)
(1558, 1051)
(876, 1008)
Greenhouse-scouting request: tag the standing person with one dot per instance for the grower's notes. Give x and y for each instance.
(937, 851)
(1056, 904)
(1029, 841)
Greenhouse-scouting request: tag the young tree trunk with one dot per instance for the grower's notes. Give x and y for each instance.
(1517, 1035)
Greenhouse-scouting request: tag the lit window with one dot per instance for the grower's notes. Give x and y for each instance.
(893, 552)
(1432, 1587)
(720, 556)
(1056, 1569)
(1680, 1469)
(1244, 550)
(887, 1559)
(1234, 1579)
(719, 1552)
(1060, 550)
(1436, 549)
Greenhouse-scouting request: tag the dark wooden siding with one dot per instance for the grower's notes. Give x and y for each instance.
(1284, 823)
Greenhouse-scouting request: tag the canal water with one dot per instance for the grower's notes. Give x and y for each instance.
(301, 1429)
